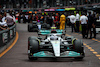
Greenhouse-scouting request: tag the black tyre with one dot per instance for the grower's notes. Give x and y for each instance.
(78, 46)
(35, 29)
(30, 27)
(79, 58)
(32, 58)
(35, 26)
(32, 38)
(34, 46)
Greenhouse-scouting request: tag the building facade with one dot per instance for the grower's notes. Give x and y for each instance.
(43, 3)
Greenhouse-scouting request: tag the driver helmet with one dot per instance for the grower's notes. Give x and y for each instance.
(53, 37)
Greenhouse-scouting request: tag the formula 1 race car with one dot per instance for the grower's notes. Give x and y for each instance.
(52, 30)
(54, 46)
(34, 26)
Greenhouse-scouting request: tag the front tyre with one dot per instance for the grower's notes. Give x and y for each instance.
(78, 47)
(33, 47)
(32, 58)
(79, 58)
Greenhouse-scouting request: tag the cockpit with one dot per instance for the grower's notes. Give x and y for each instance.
(53, 37)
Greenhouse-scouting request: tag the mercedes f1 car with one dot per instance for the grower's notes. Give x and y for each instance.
(54, 46)
(34, 26)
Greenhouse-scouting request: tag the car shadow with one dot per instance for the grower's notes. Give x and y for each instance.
(54, 60)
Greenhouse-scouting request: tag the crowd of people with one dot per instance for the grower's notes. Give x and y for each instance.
(85, 24)
(6, 20)
(53, 19)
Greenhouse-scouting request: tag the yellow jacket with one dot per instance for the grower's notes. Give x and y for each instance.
(62, 18)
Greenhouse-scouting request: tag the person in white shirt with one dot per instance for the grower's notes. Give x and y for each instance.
(26, 17)
(73, 20)
(3, 25)
(10, 21)
(84, 20)
(77, 21)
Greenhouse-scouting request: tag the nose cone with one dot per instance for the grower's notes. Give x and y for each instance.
(56, 47)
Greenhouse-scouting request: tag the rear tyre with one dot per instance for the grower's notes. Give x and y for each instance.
(30, 27)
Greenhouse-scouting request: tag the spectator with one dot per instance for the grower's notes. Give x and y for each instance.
(24, 18)
(4, 17)
(66, 20)
(34, 17)
(56, 20)
(29, 18)
(14, 19)
(0, 17)
(77, 21)
(3, 25)
(73, 20)
(84, 20)
(90, 23)
(50, 20)
(62, 21)
(97, 16)
(41, 19)
(94, 26)
(19, 18)
(10, 20)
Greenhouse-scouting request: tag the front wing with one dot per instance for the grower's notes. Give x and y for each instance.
(66, 54)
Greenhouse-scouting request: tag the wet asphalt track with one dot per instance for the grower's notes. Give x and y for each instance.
(17, 56)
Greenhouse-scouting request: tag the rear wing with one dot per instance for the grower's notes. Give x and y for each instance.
(46, 32)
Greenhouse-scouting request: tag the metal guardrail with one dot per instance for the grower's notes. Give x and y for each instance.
(7, 35)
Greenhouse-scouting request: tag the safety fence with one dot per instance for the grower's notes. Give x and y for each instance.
(7, 35)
